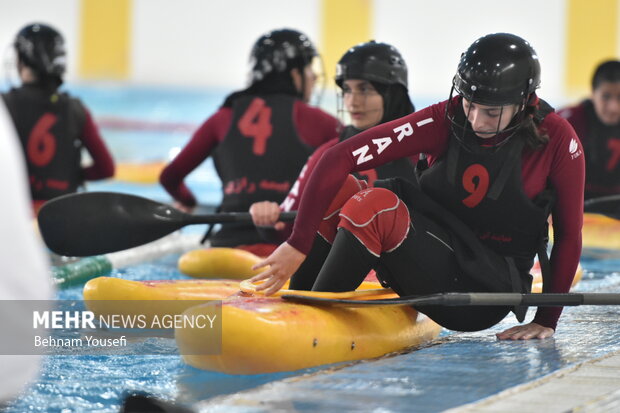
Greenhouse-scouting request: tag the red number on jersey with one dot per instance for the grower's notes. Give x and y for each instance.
(41, 145)
(614, 148)
(476, 182)
(256, 124)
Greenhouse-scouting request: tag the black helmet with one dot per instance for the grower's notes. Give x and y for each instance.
(498, 69)
(280, 51)
(372, 61)
(41, 48)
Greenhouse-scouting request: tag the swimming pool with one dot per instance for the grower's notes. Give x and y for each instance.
(455, 369)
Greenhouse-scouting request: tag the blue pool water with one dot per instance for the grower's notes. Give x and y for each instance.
(455, 369)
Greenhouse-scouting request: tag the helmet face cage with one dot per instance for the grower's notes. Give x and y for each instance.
(41, 48)
(496, 70)
(341, 111)
(461, 127)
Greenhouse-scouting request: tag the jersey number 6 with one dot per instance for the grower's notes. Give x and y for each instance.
(41, 143)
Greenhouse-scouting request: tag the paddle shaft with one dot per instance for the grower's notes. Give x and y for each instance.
(473, 299)
(604, 205)
(599, 200)
(534, 300)
(229, 217)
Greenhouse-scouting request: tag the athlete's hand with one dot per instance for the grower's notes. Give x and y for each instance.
(525, 332)
(266, 214)
(183, 208)
(283, 263)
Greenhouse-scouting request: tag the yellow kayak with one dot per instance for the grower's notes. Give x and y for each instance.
(219, 263)
(267, 334)
(110, 288)
(139, 173)
(255, 328)
(107, 296)
(537, 282)
(305, 336)
(600, 231)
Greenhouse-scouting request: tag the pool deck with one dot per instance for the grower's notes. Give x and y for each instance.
(590, 386)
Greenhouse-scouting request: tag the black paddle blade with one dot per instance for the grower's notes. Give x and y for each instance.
(93, 223)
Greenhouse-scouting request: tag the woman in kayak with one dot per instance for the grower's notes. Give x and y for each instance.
(597, 123)
(373, 81)
(498, 158)
(259, 138)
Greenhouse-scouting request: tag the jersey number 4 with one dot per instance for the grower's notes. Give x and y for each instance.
(256, 124)
(41, 145)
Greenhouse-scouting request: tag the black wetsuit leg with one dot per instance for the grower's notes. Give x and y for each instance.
(423, 264)
(305, 276)
(346, 266)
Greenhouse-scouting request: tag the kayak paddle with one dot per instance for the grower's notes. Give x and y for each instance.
(470, 299)
(94, 223)
(604, 205)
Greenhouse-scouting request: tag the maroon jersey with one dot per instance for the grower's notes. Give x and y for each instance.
(601, 144)
(312, 125)
(559, 164)
(256, 160)
(259, 145)
(404, 168)
(53, 128)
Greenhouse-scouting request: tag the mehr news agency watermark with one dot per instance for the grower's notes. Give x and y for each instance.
(58, 327)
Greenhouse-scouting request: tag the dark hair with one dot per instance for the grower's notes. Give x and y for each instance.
(396, 101)
(608, 71)
(273, 83)
(535, 138)
(49, 83)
